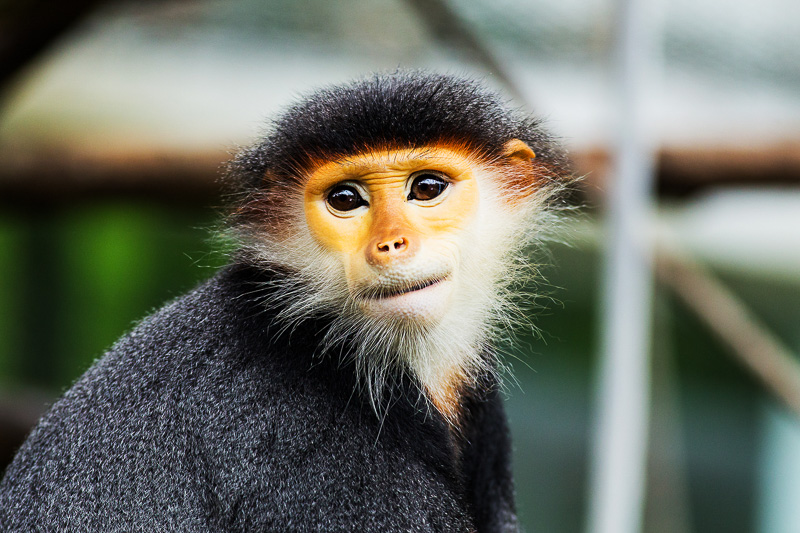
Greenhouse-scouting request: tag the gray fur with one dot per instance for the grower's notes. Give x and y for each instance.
(201, 419)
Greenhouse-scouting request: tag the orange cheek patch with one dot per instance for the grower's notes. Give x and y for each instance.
(521, 183)
(522, 172)
(337, 234)
(455, 212)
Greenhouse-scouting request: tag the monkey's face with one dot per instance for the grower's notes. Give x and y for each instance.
(400, 223)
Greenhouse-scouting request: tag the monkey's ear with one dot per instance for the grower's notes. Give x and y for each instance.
(517, 151)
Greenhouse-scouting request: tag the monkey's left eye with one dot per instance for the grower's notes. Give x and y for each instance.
(345, 198)
(427, 186)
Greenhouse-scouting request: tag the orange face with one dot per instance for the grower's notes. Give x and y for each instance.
(414, 240)
(398, 221)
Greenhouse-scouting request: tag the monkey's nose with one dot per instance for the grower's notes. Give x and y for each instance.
(393, 245)
(384, 251)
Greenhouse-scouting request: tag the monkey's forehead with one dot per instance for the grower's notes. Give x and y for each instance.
(451, 160)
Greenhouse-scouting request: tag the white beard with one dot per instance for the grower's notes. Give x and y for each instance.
(437, 355)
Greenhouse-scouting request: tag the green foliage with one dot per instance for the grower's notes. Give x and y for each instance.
(73, 280)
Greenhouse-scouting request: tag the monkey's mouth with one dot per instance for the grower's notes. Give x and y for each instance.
(418, 301)
(382, 293)
(389, 293)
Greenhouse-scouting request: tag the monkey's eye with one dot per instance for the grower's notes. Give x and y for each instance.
(427, 186)
(345, 198)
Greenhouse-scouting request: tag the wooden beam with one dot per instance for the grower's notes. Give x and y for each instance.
(51, 177)
(682, 171)
(36, 176)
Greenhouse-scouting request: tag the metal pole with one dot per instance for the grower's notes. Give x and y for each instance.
(617, 485)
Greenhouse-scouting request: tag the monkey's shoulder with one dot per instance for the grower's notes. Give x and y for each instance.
(196, 357)
(202, 416)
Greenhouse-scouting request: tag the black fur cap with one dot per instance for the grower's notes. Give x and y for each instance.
(403, 109)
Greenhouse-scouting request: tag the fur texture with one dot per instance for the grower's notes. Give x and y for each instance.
(405, 109)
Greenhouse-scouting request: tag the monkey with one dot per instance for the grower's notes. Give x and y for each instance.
(339, 374)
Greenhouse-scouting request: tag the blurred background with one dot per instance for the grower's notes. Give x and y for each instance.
(115, 118)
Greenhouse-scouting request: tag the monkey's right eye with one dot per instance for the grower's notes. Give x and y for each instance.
(345, 198)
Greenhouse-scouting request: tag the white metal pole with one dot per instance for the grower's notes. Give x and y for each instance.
(617, 484)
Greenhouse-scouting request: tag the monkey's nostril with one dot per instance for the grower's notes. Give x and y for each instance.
(396, 244)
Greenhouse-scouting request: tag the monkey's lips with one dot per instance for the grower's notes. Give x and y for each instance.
(422, 301)
(388, 292)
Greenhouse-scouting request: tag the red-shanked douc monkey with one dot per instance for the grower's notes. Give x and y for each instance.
(338, 375)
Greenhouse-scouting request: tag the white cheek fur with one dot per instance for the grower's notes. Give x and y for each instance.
(431, 333)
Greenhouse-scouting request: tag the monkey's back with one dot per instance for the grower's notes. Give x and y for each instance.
(203, 419)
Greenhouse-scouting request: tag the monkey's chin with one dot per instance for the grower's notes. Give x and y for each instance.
(425, 305)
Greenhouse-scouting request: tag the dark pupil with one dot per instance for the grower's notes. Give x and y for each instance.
(427, 187)
(344, 198)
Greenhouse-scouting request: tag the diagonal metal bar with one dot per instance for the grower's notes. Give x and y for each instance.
(750, 341)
